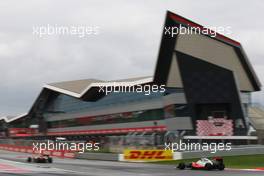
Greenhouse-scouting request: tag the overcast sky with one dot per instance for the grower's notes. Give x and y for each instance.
(126, 46)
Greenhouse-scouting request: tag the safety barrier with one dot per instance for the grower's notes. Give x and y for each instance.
(240, 150)
(236, 151)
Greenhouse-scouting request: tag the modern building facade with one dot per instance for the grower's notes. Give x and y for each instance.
(208, 84)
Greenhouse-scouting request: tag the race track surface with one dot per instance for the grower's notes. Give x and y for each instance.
(13, 164)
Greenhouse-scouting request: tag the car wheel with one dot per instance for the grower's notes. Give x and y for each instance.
(50, 160)
(181, 166)
(29, 159)
(221, 167)
(208, 166)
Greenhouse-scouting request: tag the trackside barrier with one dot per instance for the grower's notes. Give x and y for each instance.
(27, 149)
(148, 155)
(242, 150)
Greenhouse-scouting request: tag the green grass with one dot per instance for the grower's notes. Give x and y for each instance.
(242, 162)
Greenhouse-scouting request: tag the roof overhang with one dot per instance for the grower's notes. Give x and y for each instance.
(98, 85)
(91, 92)
(9, 119)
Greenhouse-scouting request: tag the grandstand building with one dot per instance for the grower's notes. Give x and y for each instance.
(208, 85)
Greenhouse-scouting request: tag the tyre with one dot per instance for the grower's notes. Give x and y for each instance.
(221, 167)
(50, 160)
(208, 166)
(29, 159)
(181, 166)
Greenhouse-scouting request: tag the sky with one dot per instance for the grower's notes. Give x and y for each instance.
(126, 45)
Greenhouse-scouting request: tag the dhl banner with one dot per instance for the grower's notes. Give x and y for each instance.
(147, 155)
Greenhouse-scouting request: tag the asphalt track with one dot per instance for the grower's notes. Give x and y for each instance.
(13, 164)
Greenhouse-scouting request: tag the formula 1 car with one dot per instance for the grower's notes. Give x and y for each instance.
(40, 159)
(216, 163)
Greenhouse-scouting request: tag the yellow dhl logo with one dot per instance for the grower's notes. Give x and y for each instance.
(153, 155)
